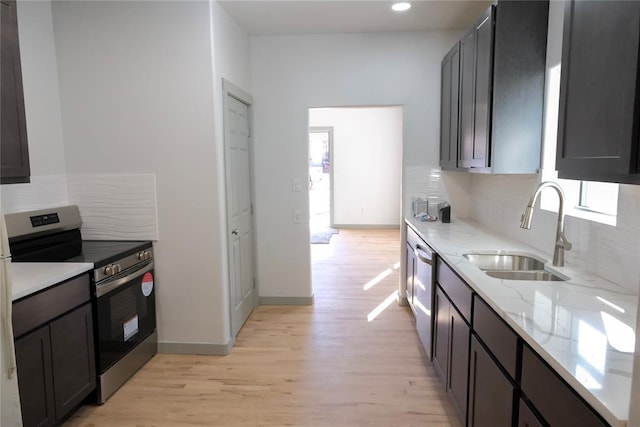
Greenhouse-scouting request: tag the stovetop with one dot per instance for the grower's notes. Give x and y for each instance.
(103, 252)
(53, 235)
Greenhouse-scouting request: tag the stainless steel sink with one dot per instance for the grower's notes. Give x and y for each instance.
(505, 262)
(525, 275)
(509, 266)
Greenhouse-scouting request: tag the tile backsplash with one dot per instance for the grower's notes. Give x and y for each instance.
(437, 186)
(116, 207)
(612, 252)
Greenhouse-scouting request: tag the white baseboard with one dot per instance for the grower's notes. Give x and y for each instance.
(195, 348)
(368, 226)
(286, 300)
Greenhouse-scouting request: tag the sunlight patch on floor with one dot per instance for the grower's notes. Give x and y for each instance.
(383, 305)
(379, 278)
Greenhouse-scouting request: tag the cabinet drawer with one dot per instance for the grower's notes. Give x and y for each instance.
(544, 388)
(35, 310)
(496, 335)
(412, 238)
(458, 292)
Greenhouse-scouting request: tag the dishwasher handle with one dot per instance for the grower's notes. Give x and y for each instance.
(424, 255)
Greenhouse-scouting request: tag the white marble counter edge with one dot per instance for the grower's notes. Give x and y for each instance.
(31, 277)
(454, 259)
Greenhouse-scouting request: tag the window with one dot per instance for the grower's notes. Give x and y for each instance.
(601, 197)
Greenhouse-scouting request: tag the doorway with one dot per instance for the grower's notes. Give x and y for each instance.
(320, 179)
(355, 167)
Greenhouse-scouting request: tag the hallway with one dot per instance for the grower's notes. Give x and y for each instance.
(351, 359)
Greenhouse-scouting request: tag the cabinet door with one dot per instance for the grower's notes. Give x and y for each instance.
(467, 98)
(441, 332)
(476, 68)
(491, 394)
(527, 418)
(411, 265)
(458, 372)
(483, 90)
(73, 357)
(14, 153)
(599, 95)
(35, 378)
(449, 107)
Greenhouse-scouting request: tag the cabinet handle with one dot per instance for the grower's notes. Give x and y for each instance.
(423, 255)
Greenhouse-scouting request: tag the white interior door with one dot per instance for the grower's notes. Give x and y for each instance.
(243, 292)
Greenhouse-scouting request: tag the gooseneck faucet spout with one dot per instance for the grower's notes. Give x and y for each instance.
(562, 243)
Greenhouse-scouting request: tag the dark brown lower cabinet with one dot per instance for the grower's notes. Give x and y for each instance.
(451, 351)
(491, 393)
(544, 389)
(56, 367)
(493, 378)
(527, 418)
(458, 363)
(35, 378)
(441, 333)
(73, 357)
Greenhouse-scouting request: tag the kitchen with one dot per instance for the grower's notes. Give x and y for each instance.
(107, 85)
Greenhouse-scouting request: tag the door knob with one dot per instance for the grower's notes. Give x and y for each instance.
(235, 232)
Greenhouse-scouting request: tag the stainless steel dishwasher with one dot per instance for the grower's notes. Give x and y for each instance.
(423, 294)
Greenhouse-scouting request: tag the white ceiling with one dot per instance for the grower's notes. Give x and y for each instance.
(272, 17)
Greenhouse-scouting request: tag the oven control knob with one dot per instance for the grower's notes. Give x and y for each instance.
(108, 270)
(147, 254)
(140, 256)
(116, 268)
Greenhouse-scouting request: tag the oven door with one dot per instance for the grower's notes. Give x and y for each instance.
(126, 313)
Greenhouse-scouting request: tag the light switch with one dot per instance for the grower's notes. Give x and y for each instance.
(296, 184)
(297, 216)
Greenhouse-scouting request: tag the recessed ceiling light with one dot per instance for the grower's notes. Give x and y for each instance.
(401, 6)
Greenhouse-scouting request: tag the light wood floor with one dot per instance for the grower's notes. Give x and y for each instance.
(331, 364)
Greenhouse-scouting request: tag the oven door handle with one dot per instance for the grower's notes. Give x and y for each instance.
(108, 287)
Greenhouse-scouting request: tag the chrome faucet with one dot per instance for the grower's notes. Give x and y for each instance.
(562, 243)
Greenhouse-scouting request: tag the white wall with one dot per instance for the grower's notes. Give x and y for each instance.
(292, 74)
(366, 160)
(42, 109)
(138, 96)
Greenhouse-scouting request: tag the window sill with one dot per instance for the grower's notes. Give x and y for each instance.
(588, 215)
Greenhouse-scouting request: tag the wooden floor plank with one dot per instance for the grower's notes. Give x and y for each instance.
(330, 364)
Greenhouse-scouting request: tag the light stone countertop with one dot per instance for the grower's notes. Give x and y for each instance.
(31, 277)
(582, 327)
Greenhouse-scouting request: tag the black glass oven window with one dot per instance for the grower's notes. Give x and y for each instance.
(125, 318)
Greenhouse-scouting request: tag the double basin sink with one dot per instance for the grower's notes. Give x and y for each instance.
(510, 266)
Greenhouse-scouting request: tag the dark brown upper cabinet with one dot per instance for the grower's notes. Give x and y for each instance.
(14, 151)
(449, 109)
(476, 51)
(599, 115)
(501, 89)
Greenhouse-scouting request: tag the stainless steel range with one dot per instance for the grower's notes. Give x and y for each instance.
(122, 287)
